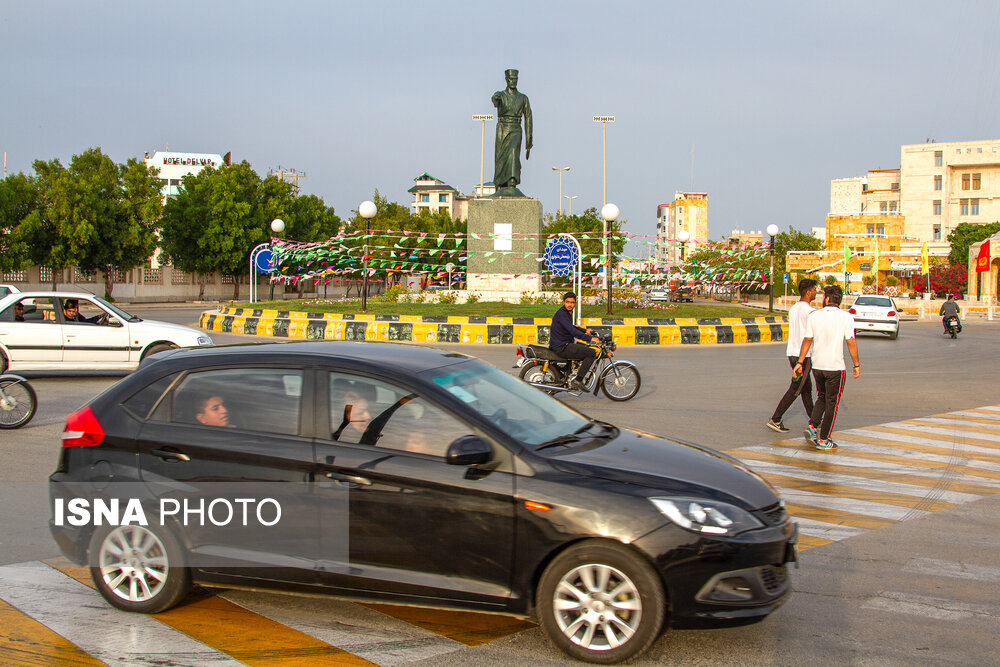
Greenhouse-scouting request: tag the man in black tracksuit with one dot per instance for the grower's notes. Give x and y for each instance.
(563, 336)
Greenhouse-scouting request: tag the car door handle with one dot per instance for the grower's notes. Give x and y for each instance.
(170, 455)
(348, 480)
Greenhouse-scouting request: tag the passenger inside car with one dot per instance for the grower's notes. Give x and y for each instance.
(358, 401)
(211, 411)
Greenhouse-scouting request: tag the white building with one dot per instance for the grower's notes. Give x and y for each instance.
(175, 166)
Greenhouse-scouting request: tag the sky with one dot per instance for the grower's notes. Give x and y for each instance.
(758, 104)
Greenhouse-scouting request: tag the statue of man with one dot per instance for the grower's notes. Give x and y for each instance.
(511, 105)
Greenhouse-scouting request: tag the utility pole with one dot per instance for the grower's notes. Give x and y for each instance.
(289, 176)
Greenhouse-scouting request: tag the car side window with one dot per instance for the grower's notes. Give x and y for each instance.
(253, 399)
(30, 309)
(142, 402)
(372, 412)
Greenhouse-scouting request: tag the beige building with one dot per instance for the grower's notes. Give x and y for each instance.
(434, 195)
(744, 238)
(688, 211)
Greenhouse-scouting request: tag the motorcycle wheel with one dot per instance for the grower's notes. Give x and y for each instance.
(534, 373)
(623, 385)
(17, 403)
(953, 334)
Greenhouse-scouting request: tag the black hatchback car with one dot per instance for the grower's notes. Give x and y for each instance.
(409, 474)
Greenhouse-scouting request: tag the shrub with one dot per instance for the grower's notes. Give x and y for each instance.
(391, 295)
(447, 297)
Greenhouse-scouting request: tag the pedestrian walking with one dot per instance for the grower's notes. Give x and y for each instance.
(801, 382)
(827, 329)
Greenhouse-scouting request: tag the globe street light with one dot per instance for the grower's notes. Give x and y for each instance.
(366, 210)
(570, 198)
(683, 237)
(772, 230)
(609, 213)
(277, 226)
(560, 170)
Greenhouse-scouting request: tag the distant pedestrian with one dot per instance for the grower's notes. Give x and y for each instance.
(801, 385)
(826, 332)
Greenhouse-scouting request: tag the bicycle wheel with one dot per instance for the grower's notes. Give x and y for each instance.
(17, 403)
(623, 385)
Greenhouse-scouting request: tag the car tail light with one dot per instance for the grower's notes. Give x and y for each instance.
(852, 311)
(82, 429)
(892, 313)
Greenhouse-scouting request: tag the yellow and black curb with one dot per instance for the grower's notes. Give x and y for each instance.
(489, 330)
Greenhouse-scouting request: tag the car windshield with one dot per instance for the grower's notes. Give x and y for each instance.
(873, 301)
(524, 412)
(124, 316)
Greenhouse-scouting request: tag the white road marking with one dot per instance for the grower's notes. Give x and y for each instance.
(829, 531)
(946, 459)
(967, 413)
(957, 422)
(958, 435)
(364, 632)
(937, 608)
(865, 507)
(928, 441)
(81, 615)
(955, 570)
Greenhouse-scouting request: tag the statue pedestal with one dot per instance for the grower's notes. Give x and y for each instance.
(504, 260)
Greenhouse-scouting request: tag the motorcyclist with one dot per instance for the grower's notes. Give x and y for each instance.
(950, 309)
(563, 336)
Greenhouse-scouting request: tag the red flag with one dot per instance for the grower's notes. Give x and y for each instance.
(983, 262)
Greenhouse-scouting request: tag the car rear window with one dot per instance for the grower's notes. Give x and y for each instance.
(873, 301)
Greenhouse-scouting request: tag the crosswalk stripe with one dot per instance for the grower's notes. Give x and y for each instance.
(981, 439)
(922, 446)
(941, 609)
(811, 542)
(378, 638)
(235, 630)
(26, 642)
(892, 462)
(959, 418)
(842, 503)
(828, 531)
(865, 479)
(827, 489)
(84, 618)
(980, 414)
(960, 427)
(952, 569)
(468, 627)
(839, 517)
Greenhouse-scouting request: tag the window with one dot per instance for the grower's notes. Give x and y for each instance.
(938, 158)
(974, 206)
(883, 207)
(937, 232)
(965, 181)
(979, 150)
(251, 399)
(880, 230)
(937, 182)
(977, 180)
(892, 207)
(937, 207)
(894, 187)
(442, 198)
(871, 230)
(426, 198)
(964, 207)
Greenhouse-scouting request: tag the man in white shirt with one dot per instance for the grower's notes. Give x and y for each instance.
(802, 385)
(826, 332)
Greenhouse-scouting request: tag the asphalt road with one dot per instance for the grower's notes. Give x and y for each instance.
(920, 591)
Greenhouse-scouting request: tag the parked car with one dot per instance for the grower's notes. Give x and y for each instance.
(36, 333)
(659, 294)
(7, 289)
(418, 476)
(876, 313)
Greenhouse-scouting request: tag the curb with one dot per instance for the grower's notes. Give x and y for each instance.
(489, 330)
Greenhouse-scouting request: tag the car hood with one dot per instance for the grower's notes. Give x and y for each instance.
(169, 329)
(672, 467)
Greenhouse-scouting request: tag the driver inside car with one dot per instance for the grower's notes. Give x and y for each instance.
(71, 312)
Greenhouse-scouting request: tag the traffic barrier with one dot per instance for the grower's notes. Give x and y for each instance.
(489, 330)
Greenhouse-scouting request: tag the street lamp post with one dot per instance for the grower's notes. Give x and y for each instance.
(609, 213)
(772, 231)
(683, 237)
(482, 146)
(560, 170)
(366, 210)
(277, 226)
(604, 120)
(570, 202)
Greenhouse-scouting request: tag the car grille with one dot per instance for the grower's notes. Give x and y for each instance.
(773, 577)
(774, 515)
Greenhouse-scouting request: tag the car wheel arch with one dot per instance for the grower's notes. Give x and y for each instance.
(158, 346)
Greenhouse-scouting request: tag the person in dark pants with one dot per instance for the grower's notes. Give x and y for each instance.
(563, 336)
(797, 316)
(950, 309)
(827, 330)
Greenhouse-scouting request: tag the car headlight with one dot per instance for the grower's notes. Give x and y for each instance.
(204, 340)
(706, 516)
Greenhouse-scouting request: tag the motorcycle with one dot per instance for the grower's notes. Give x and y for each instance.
(17, 401)
(546, 370)
(952, 326)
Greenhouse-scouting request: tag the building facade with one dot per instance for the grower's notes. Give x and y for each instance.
(689, 212)
(175, 166)
(434, 195)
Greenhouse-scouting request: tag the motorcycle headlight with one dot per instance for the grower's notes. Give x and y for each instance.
(706, 516)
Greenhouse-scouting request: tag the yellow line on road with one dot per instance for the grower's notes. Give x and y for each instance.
(26, 642)
(943, 450)
(963, 427)
(807, 542)
(841, 491)
(967, 418)
(838, 517)
(468, 627)
(936, 436)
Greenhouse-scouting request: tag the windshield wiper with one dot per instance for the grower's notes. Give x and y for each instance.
(560, 440)
(612, 432)
(611, 429)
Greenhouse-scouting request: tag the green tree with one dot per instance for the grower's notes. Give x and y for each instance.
(94, 214)
(964, 236)
(18, 198)
(793, 239)
(218, 217)
(310, 219)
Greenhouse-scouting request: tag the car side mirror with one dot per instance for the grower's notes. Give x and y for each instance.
(469, 450)
(114, 322)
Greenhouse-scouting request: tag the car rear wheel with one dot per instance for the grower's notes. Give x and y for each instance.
(894, 335)
(601, 602)
(137, 569)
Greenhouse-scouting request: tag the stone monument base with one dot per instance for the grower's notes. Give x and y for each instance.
(502, 286)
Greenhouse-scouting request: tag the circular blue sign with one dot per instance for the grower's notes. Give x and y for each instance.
(265, 261)
(561, 256)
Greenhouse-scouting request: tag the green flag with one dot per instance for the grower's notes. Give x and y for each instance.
(847, 254)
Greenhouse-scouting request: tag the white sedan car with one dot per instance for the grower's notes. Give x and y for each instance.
(876, 313)
(73, 331)
(659, 294)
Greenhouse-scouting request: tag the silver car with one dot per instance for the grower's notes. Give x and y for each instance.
(876, 313)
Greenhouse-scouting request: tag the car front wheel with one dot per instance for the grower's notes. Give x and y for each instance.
(601, 602)
(138, 570)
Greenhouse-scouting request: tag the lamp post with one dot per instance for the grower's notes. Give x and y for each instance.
(482, 146)
(772, 230)
(570, 202)
(560, 170)
(683, 237)
(366, 210)
(277, 226)
(609, 213)
(604, 120)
